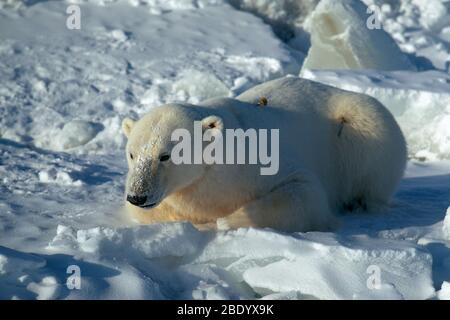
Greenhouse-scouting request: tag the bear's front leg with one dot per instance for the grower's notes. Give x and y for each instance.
(297, 204)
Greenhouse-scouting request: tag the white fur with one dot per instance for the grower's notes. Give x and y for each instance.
(338, 150)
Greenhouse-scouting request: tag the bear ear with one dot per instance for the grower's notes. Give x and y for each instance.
(127, 125)
(212, 122)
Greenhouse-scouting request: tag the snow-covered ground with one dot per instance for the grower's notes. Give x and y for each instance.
(63, 94)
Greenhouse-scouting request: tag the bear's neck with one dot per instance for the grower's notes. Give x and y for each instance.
(205, 200)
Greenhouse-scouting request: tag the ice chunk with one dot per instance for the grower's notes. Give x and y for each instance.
(341, 39)
(46, 289)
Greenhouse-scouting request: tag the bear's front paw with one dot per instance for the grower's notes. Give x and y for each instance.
(222, 224)
(206, 226)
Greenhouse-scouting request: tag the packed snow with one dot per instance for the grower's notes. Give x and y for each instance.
(64, 93)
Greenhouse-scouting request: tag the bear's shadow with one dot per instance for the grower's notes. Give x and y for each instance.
(419, 202)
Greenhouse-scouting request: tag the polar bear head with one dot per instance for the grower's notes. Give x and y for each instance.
(152, 174)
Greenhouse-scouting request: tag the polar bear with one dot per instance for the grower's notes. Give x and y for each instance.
(338, 151)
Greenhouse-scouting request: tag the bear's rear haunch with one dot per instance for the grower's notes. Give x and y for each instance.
(338, 151)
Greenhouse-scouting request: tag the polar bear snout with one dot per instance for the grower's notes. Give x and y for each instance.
(137, 200)
(141, 201)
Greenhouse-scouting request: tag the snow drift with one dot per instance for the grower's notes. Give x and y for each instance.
(178, 261)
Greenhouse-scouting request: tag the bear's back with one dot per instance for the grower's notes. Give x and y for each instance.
(291, 93)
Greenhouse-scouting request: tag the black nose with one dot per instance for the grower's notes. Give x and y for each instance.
(136, 200)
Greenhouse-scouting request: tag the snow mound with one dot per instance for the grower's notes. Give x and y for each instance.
(77, 133)
(194, 86)
(73, 134)
(446, 224)
(154, 241)
(60, 177)
(420, 102)
(444, 293)
(314, 265)
(340, 39)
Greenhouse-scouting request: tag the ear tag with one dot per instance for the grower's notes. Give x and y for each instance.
(262, 102)
(341, 126)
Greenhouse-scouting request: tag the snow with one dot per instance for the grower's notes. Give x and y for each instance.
(113, 66)
(62, 168)
(305, 264)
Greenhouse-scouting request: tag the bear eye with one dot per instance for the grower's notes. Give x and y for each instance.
(164, 157)
(131, 156)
